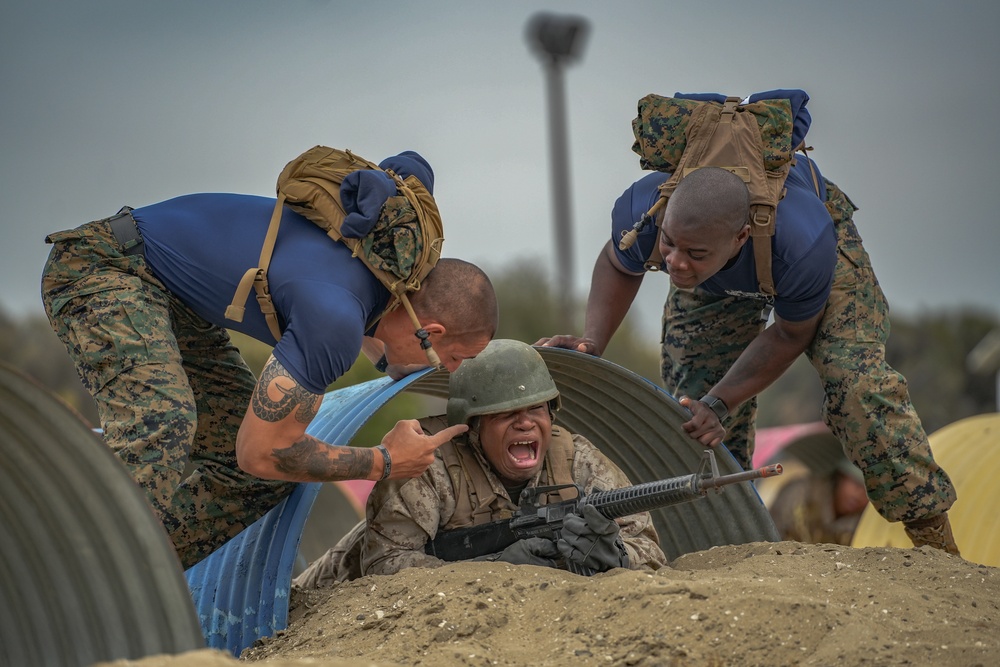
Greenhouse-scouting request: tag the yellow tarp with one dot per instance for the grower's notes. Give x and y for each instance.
(969, 451)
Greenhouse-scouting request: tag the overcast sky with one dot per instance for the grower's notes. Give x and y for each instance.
(112, 102)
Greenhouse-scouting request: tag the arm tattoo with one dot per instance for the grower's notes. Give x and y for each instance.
(312, 460)
(294, 398)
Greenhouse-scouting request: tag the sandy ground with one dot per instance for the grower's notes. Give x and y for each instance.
(781, 603)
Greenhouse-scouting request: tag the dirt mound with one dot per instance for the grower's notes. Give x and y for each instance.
(781, 603)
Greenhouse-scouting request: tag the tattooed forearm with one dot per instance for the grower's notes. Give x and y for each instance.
(312, 460)
(275, 380)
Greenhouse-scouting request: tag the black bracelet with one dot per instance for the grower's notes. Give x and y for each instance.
(382, 364)
(717, 406)
(387, 466)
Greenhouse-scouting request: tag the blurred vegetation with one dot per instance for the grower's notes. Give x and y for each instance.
(930, 350)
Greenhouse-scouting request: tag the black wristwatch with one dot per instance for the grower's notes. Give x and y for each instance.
(382, 364)
(717, 406)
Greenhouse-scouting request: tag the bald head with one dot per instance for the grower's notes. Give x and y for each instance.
(460, 296)
(710, 197)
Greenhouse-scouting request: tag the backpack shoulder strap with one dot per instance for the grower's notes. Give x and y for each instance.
(257, 278)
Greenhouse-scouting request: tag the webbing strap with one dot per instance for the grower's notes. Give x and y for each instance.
(474, 495)
(812, 168)
(560, 462)
(421, 333)
(257, 278)
(762, 231)
(655, 259)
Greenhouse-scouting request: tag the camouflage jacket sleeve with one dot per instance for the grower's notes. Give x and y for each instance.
(403, 515)
(594, 471)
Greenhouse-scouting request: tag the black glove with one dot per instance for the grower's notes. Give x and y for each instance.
(539, 551)
(592, 541)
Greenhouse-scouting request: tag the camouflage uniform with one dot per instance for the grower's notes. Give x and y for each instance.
(403, 515)
(171, 389)
(867, 404)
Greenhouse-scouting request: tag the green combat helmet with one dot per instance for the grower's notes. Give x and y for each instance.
(507, 375)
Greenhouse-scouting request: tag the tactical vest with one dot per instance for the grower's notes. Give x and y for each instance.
(476, 501)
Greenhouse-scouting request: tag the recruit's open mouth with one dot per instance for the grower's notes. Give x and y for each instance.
(524, 453)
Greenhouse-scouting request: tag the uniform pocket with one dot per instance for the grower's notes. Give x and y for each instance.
(79, 290)
(856, 255)
(68, 235)
(857, 306)
(107, 331)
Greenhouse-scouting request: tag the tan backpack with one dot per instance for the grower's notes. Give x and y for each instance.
(401, 247)
(753, 141)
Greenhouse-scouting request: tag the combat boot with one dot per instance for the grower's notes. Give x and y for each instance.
(934, 531)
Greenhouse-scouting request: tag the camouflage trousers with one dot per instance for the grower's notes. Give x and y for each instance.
(867, 403)
(171, 389)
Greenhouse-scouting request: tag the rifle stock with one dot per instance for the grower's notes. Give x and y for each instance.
(533, 519)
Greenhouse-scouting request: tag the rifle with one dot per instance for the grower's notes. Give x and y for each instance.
(533, 519)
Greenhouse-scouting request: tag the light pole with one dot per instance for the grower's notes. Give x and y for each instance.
(557, 41)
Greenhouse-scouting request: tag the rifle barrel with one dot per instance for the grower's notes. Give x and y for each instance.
(722, 480)
(629, 500)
